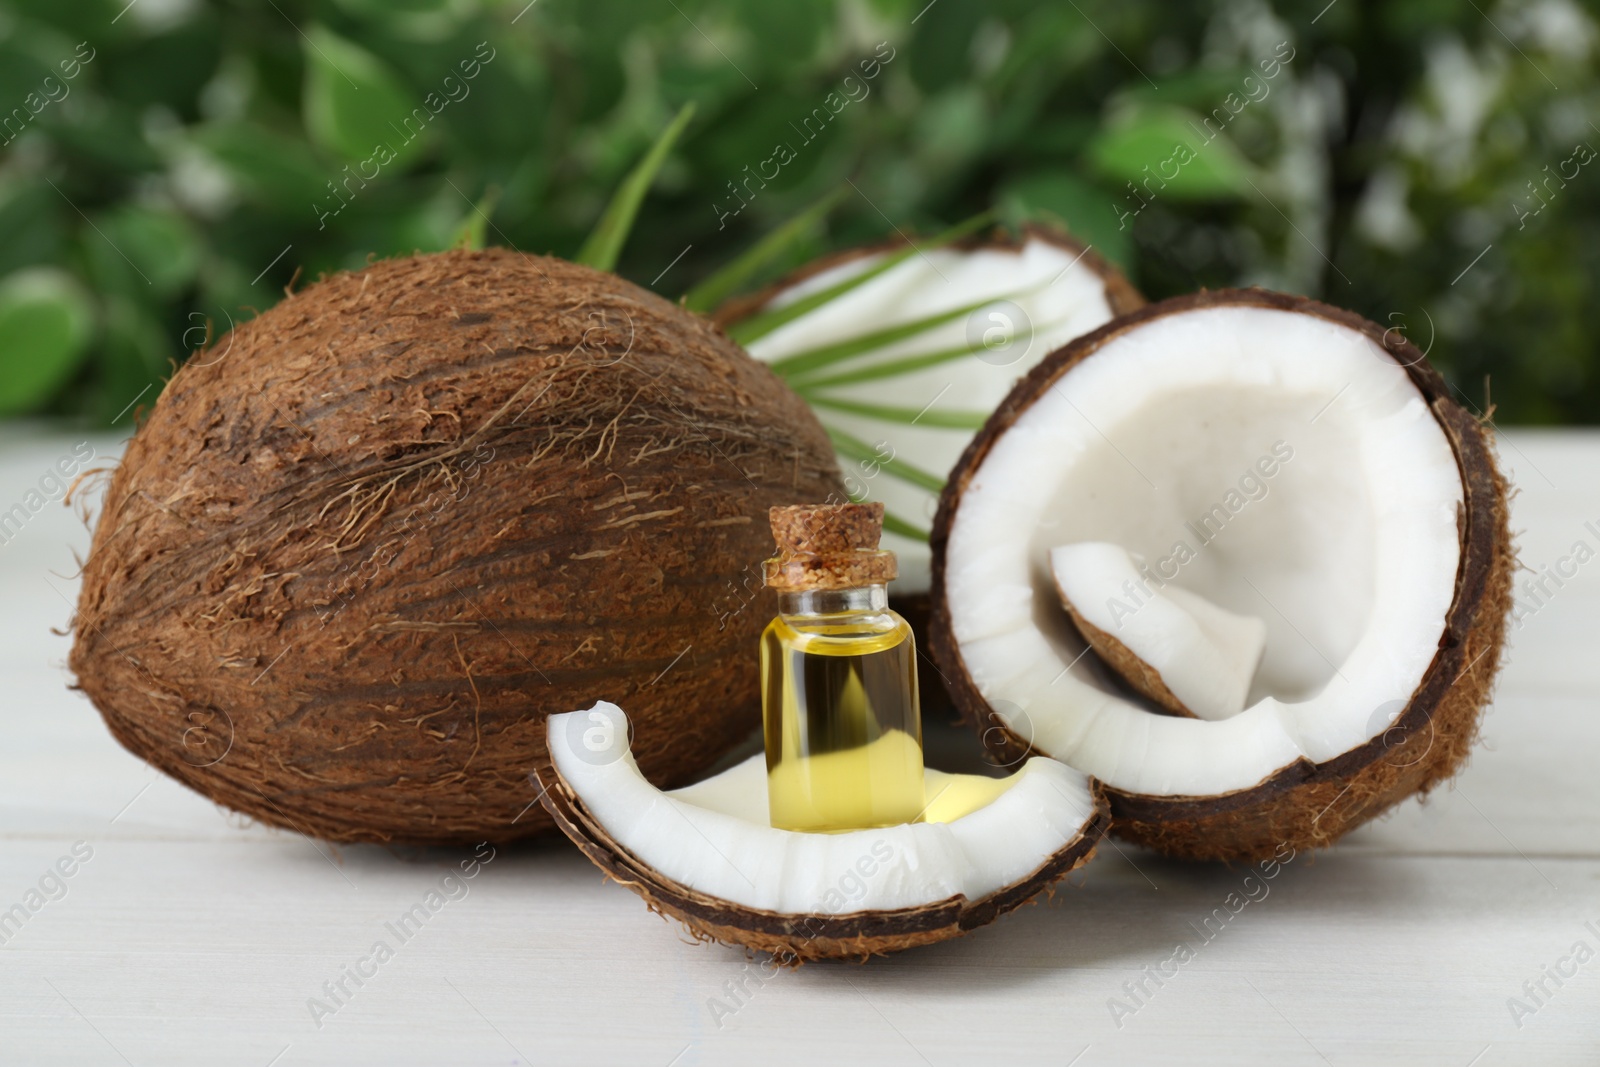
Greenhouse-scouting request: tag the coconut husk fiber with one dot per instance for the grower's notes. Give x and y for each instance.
(364, 544)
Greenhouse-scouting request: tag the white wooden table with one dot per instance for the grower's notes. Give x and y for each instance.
(192, 936)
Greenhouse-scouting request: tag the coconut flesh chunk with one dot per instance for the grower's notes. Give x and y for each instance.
(1062, 293)
(985, 840)
(1177, 648)
(1280, 465)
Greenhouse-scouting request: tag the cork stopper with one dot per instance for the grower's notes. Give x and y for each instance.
(828, 546)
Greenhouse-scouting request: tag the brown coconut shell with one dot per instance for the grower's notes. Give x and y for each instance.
(1306, 805)
(364, 545)
(793, 939)
(1121, 296)
(1127, 665)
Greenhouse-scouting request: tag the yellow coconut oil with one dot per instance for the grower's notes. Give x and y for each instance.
(842, 721)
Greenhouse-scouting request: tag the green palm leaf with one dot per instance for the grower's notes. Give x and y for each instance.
(854, 448)
(949, 420)
(605, 243)
(895, 524)
(813, 359)
(732, 277)
(473, 230)
(895, 368)
(763, 323)
(892, 368)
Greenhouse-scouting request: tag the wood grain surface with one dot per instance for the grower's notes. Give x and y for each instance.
(191, 936)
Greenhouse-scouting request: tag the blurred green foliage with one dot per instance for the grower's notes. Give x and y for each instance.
(170, 166)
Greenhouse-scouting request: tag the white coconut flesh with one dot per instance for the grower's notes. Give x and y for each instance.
(1205, 655)
(1276, 464)
(1061, 297)
(979, 836)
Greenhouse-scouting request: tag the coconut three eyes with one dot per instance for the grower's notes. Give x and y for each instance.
(1283, 540)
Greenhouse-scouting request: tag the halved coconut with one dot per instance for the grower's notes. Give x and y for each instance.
(1282, 460)
(707, 855)
(901, 408)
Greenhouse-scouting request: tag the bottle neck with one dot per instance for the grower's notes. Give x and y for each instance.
(862, 600)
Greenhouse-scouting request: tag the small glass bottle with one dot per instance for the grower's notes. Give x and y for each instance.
(839, 677)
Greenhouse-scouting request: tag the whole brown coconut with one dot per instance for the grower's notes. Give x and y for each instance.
(364, 545)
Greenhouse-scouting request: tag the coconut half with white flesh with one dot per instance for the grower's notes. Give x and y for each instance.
(707, 855)
(1270, 456)
(904, 367)
(1176, 647)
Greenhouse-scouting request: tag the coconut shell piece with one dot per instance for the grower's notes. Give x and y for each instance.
(1305, 804)
(1126, 664)
(363, 545)
(794, 939)
(1203, 658)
